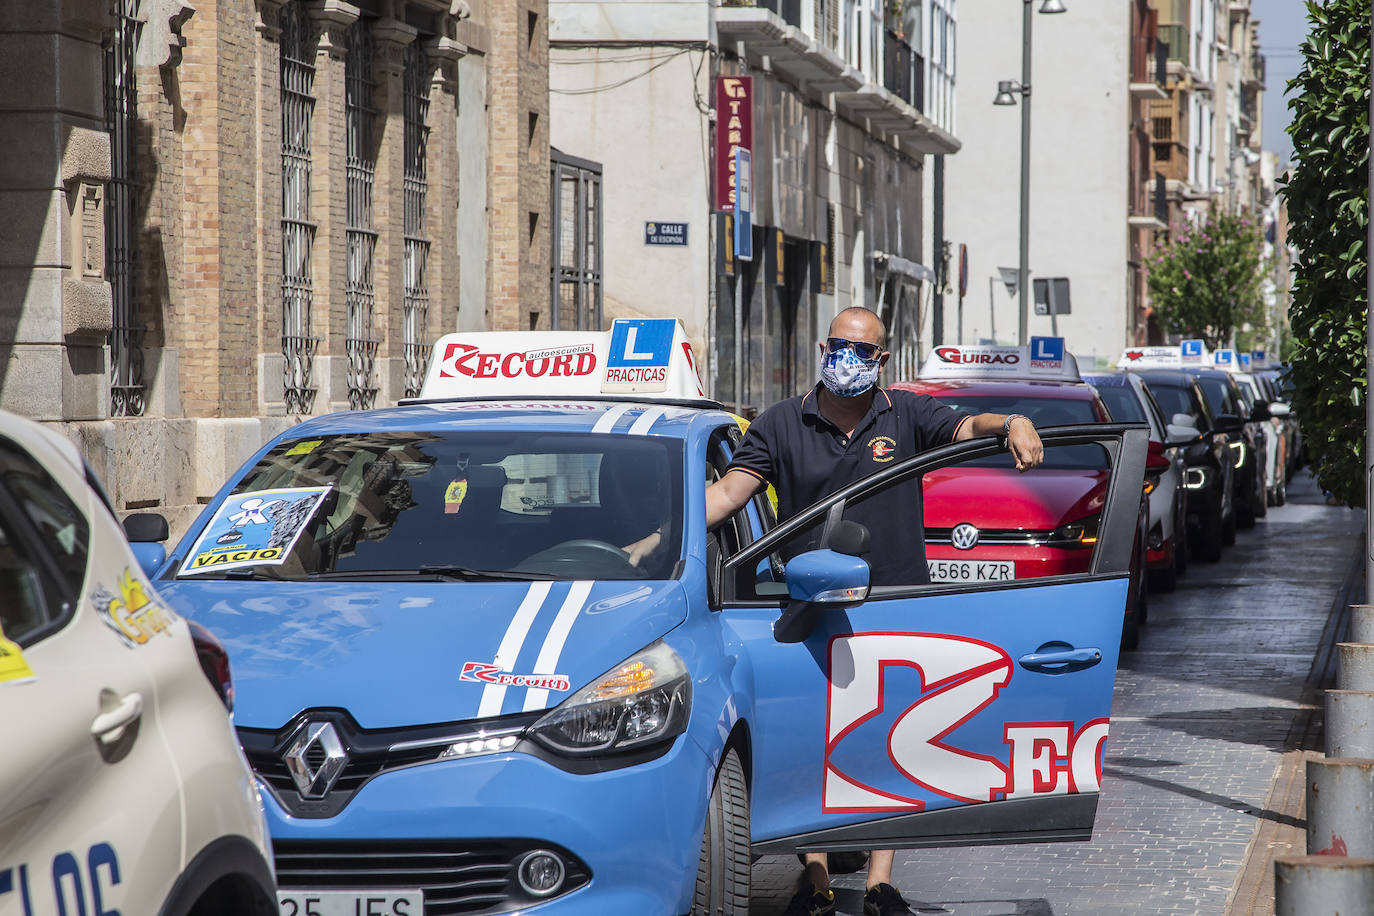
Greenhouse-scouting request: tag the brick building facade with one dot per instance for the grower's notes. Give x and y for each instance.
(237, 215)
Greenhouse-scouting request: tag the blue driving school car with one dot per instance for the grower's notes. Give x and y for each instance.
(461, 694)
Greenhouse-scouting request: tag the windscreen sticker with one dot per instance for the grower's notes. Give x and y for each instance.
(454, 495)
(13, 668)
(135, 615)
(304, 447)
(254, 529)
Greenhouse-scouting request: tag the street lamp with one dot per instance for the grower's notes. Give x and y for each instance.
(1007, 90)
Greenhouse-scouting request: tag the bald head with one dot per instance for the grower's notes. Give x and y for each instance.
(858, 323)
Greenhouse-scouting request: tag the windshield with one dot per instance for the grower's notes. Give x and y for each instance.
(450, 504)
(1219, 395)
(1042, 412)
(1122, 404)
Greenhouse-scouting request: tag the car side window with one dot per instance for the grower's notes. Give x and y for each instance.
(61, 527)
(31, 605)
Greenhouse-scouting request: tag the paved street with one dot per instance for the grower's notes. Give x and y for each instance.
(1202, 716)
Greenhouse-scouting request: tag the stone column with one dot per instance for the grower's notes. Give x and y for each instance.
(267, 229)
(444, 154)
(328, 204)
(390, 39)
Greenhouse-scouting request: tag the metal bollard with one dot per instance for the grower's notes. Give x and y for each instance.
(1340, 806)
(1349, 723)
(1355, 666)
(1323, 886)
(1362, 623)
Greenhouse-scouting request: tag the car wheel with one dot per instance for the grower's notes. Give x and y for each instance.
(1184, 542)
(723, 870)
(1260, 504)
(1228, 529)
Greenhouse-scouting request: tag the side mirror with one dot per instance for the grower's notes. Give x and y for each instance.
(1260, 412)
(150, 556)
(1181, 436)
(1183, 419)
(145, 527)
(1280, 409)
(1229, 423)
(816, 580)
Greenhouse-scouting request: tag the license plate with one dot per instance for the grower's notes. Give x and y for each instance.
(351, 903)
(972, 570)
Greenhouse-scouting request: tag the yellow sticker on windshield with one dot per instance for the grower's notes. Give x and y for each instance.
(13, 668)
(304, 447)
(453, 496)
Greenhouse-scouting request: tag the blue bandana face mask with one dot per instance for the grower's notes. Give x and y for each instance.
(845, 375)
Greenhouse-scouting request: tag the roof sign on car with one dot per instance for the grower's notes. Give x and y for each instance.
(640, 357)
(1259, 359)
(1188, 353)
(1043, 358)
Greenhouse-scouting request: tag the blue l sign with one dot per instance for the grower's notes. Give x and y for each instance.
(1191, 349)
(1047, 349)
(647, 342)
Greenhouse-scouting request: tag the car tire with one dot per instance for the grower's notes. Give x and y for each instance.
(1208, 546)
(1185, 542)
(1258, 502)
(1228, 530)
(723, 870)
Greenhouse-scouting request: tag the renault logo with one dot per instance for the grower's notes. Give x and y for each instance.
(316, 758)
(964, 537)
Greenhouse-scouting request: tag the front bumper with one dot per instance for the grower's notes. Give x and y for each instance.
(637, 829)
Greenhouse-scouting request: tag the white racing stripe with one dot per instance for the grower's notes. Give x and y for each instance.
(493, 695)
(647, 420)
(609, 418)
(547, 663)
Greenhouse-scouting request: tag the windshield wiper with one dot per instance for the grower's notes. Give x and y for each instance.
(431, 572)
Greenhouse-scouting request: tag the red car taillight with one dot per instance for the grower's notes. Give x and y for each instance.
(214, 661)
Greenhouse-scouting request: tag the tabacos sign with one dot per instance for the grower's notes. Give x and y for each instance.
(464, 360)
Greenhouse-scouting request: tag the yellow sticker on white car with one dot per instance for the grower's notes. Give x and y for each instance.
(13, 668)
(133, 614)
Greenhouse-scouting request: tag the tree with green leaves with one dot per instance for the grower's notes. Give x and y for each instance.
(1205, 281)
(1328, 211)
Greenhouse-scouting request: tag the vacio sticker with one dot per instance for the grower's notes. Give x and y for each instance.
(254, 529)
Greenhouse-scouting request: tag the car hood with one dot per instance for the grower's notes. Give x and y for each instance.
(394, 653)
(997, 498)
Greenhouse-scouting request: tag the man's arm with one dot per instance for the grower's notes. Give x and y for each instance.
(1023, 441)
(724, 498)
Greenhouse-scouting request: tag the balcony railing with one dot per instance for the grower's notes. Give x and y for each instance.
(903, 70)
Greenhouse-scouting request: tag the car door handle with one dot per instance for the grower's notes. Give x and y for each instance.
(1060, 661)
(109, 726)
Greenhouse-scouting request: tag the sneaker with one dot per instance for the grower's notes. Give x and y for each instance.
(810, 902)
(885, 900)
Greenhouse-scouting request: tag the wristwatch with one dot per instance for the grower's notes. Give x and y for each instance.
(1006, 424)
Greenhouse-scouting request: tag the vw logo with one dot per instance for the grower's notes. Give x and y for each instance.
(964, 537)
(315, 759)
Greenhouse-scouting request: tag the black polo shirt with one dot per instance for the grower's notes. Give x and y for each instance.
(806, 458)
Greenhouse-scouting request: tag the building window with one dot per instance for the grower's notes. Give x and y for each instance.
(415, 299)
(298, 234)
(576, 237)
(361, 166)
(126, 338)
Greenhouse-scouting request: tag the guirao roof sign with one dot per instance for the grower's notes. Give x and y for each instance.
(648, 356)
(1187, 354)
(1043, 358)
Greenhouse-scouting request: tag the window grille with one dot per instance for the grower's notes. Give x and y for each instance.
(298, 233)
(361, 167)
(576, 201)
(415, 300)
(126, 338)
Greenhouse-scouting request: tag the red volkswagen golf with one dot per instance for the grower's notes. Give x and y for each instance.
(986, 521)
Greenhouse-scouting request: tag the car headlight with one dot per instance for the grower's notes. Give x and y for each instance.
(1195, 478)
(1082, 533)
(643, 700)
(1239, 449)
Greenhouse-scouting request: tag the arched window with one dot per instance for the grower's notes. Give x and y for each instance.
(415, 299)
(359, 298)
(298, 234)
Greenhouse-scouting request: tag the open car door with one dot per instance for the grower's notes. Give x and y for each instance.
(907, 715)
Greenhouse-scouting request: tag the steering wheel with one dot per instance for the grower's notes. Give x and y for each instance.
(589, 544)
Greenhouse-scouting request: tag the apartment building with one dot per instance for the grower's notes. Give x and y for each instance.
(233, 215)
(849, 102)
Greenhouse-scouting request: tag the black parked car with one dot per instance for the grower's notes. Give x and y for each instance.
(1210, 461)
(1226, 397)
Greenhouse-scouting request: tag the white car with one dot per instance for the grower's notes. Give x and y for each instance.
(122, 786)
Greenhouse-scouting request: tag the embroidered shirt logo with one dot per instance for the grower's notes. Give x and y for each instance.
(884, 448)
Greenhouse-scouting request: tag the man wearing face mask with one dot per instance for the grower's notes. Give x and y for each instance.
(810, 446)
